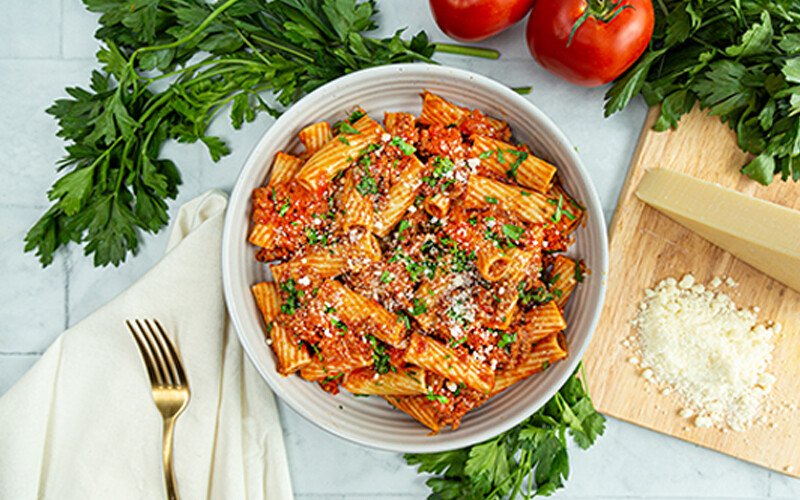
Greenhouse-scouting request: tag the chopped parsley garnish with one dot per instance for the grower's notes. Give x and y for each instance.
(404, 224)
(343, 140)
(556, 217)
(538, 295)
(415, 269)
(560, 209)
(331, 378)
(347, 128)
(442, 166)
(292, 302)
(578, 273)
(524, 193)
(387, 277)
(381, 362)
(492, 236)
(405, 147)
(491, 199)
(404, 319)
(312, 236)
(438, 397)
(367, 184)
(285, 207)
(511, 173)
(486, 154)
(420, 307)
(458, 342)
(473, 220)
(507, 339)
(356, 115)
(336, 322)
(461, 260)
(513, 232)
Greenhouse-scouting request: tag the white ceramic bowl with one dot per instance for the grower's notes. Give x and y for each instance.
(371, 421)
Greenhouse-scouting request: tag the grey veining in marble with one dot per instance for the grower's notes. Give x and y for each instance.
(48, 44)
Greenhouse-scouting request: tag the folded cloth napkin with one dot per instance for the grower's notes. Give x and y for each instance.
(82, 423)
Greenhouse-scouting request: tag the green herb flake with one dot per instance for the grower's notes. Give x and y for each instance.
(521, 156)
(387, 277)
(457, 342)
(556, 217)
(420, 307)
(491, 199)
(437, 397)
(402, 226)
(406, 148)
(507, 339)
(513, 232)
(578, 273)
(293, 294)
(312, 236)
(346, 128)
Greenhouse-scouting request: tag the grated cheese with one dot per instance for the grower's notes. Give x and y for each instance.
(715, 355)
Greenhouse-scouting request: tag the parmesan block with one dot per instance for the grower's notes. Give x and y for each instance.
(763, 234)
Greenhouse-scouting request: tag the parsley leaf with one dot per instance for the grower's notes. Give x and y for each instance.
(292, 302)
(513, 232)
(405, 147)
(346, 128)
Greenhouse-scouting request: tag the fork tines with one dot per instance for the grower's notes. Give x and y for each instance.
(163, 363)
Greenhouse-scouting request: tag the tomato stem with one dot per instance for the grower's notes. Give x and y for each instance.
(467, 50)
(603, 10)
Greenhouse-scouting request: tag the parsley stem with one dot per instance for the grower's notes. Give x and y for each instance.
(522, 90)
(211, 60)
(467, 50)
(177, 43)
(283, 47)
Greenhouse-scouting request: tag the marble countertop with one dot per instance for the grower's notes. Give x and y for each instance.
(48, 44)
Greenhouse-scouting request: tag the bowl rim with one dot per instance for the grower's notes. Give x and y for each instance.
(420, 70)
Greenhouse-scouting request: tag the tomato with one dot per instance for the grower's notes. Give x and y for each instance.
(472, 20)
(610, 37)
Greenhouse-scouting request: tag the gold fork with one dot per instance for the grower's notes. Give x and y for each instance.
(169, 384)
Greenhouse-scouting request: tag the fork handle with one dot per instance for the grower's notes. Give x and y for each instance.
(169, 472)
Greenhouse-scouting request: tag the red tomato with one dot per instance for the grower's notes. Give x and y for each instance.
(473, 20)
(608, 42)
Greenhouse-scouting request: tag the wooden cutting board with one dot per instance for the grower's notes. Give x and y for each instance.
(646, 247)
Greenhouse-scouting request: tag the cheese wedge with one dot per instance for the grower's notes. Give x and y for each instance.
(763, 234)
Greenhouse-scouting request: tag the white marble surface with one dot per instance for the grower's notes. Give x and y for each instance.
(47, 44)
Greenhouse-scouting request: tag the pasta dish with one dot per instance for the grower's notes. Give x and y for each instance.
(420, 259)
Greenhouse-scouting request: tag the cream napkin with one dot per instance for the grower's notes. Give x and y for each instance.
(82, 424)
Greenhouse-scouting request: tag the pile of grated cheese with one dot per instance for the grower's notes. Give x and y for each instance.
(712, 353)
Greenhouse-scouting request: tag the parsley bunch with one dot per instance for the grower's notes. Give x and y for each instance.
(530, 459)
(741, 61)
(168, 68)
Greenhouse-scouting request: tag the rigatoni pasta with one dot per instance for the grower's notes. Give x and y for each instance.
(419, 260)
